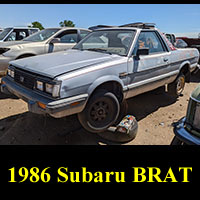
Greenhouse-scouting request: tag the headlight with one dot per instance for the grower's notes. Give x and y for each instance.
(53, 89)
(56, 90)
(39, 85)
(11, 73)
(49, 88)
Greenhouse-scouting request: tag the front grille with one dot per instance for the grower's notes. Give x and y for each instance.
(25, 79)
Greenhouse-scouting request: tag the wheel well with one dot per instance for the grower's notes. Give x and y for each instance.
(114, 87)
(185, 70)
(25, 56)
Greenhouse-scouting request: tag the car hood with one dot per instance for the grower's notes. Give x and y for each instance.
(55, 64)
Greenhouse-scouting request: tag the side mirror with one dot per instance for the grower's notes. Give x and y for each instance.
(142, 51)
(55, 40)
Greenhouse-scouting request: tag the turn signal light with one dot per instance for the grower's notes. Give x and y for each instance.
(41, 105)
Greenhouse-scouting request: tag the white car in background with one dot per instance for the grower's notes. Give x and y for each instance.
(16, 33)
(45, 41)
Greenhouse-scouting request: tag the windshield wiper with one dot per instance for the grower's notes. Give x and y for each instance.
(99, 50)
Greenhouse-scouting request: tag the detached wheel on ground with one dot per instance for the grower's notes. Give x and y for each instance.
(101, 111)
(176, 88)
(114, 134)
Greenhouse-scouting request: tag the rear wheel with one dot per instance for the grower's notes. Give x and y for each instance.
(101, 111)
(176, 88)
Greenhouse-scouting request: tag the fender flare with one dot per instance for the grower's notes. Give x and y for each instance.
(104, 79)
(187, 73)
(183, 64)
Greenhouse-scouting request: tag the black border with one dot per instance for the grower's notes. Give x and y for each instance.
(103, 158)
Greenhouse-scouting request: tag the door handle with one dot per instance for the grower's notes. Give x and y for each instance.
(165, 59)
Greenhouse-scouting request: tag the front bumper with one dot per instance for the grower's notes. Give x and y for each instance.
(56, 108)
(4, 63)
(184, 135)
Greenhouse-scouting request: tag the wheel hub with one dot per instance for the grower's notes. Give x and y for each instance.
(180, 84)
(99, 111)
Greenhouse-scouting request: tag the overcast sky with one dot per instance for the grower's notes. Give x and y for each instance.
(173, 18)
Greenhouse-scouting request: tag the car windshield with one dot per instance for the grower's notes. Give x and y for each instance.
(4, 33)
(42, 35)
(108, 41)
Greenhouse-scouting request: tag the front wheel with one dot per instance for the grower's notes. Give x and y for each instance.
(101, 111)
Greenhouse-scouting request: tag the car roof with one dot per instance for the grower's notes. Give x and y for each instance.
(66, 28)
(15, 27)
(122, 28)
(131, 26)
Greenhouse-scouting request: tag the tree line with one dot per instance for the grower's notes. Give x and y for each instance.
(65, 23)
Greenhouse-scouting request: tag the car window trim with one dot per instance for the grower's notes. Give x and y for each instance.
(113, 29)
(159, 39)
(60, 32)
(8, 34)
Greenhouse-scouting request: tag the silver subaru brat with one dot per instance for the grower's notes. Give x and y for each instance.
(94, 78)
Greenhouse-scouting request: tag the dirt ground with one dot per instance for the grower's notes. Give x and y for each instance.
(155, 112)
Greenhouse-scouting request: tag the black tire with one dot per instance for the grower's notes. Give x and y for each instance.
(176, 141)
(123, 111)
(176, 88)
(101, 111)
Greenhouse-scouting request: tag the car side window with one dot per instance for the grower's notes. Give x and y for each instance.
(68, 37)
(150, 40)
(31, 31)
(11, 37)
(22, 35)
(83, 33)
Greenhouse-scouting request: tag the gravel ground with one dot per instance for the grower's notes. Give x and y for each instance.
(155, 112)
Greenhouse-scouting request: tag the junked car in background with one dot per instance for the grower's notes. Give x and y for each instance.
(96, 76)
(180, 43)
(171, 38)
(16, 33)
(191, 42)
(184, 42)
(45, 41)
(187, 130)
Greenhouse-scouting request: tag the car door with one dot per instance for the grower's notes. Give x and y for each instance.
(68, 39)
(147, 72)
